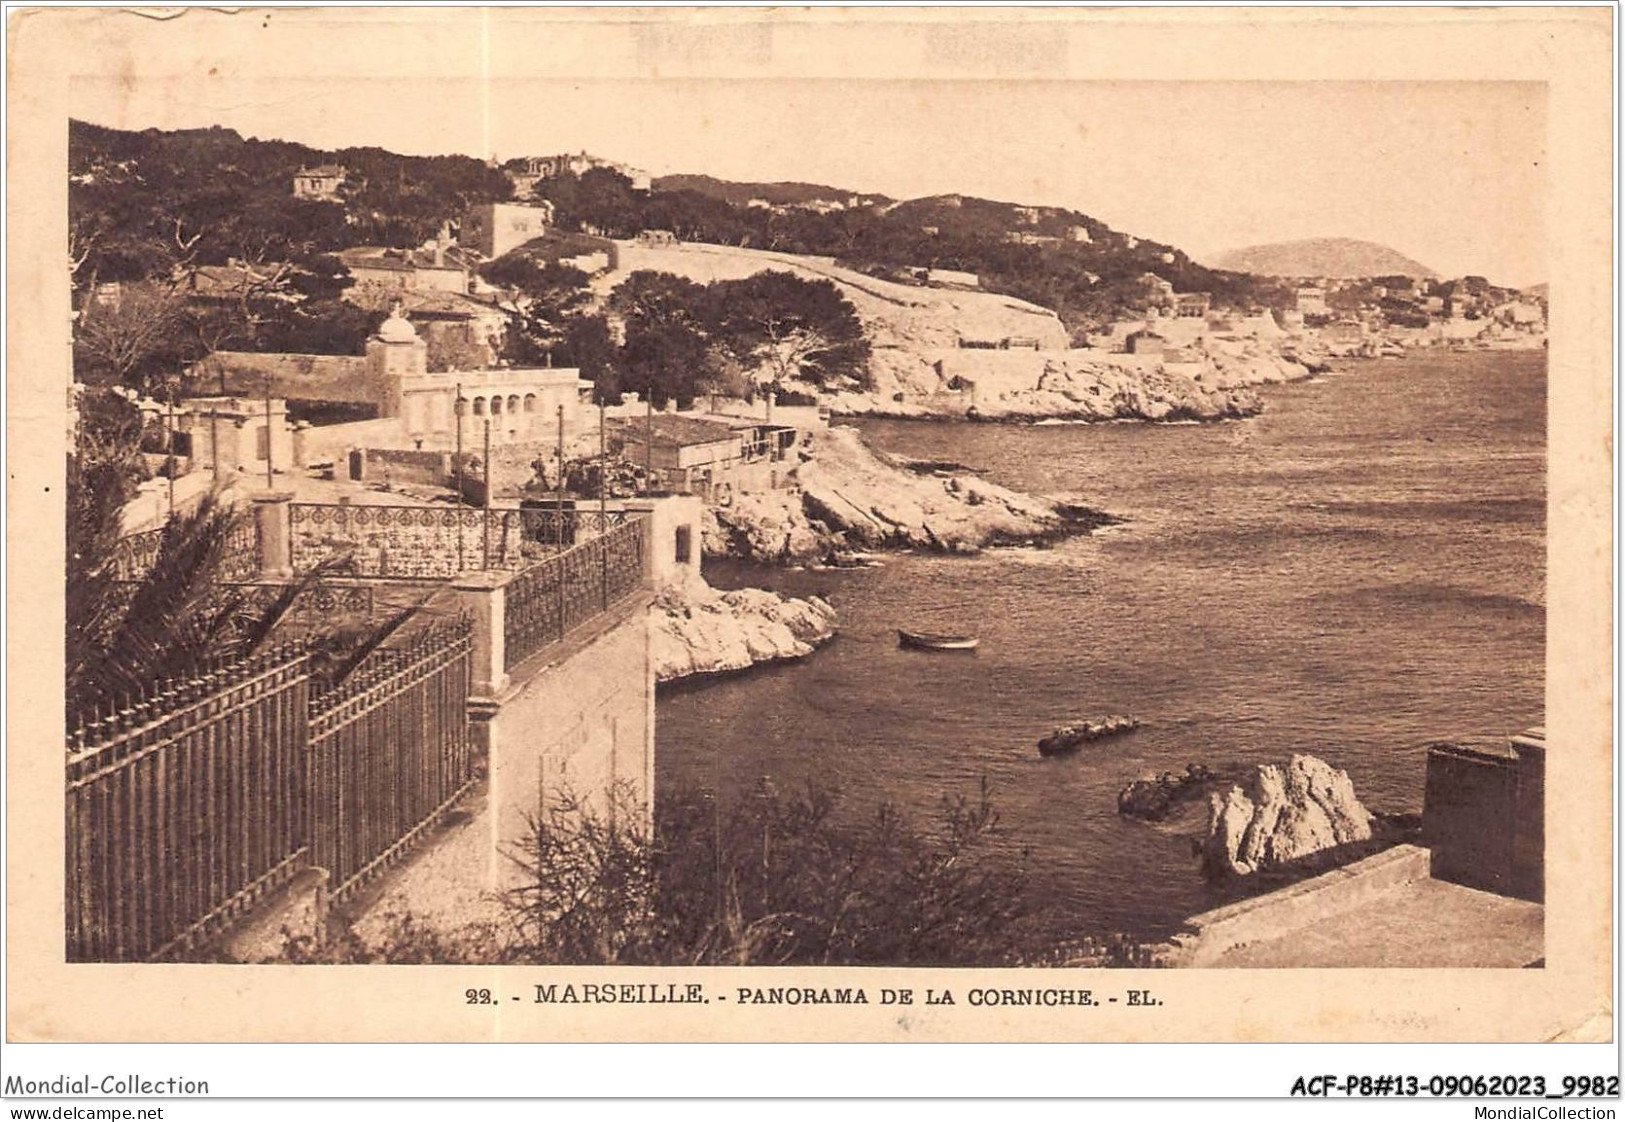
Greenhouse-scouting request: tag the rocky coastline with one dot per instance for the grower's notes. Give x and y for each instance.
(848, 497)
(1210, 382)
(699, 630)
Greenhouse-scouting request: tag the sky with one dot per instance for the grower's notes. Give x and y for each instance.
(1451, 174)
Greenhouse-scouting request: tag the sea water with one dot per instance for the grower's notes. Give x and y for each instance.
(1354, 573)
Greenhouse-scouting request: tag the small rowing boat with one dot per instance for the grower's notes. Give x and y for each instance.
(1069, 738)
(927, 641)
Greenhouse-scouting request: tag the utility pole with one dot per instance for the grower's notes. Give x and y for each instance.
(169, 448)
(648, 442)
(270, 484)
(603, 504)
(485, 558)
(457, 406)
(561, 477)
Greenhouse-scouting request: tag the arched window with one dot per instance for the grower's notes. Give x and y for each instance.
(496, 404)
(513, 403)
(530, 403)
(479, 407)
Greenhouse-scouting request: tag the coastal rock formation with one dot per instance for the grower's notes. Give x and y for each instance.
(874, 503)
(1281, 815)
(1154, 797)
(848, 497)
(698, 629)
(1212, 379)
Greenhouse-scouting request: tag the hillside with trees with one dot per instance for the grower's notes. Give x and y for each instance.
(145, 205)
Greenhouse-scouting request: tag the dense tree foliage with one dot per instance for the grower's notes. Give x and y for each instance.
(782, 328)
(138, 200)
(143, 204)
(666, 351)
(683, 339)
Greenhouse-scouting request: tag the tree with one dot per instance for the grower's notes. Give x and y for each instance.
(605, 202)
(786, 328)
(133, 340)
(329, 327)
(666, 351)
(549, 297)
(589, 346)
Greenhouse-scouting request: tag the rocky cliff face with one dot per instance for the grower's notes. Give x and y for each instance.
(1281, 815)
(702, 630)
(1212, 381)
(847, 497)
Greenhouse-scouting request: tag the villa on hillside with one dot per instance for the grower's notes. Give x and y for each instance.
(1312, 300)
(1193, 305)
(534, 169)
(319, 183)
(381, 275)
(494, 229)
(1155, 293)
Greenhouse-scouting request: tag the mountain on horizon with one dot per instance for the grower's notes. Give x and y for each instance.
(1340, 258)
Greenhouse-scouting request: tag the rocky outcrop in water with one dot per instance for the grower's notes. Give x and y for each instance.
(1281, 815)
(1154, 797)
(848, 497)
(698, 629)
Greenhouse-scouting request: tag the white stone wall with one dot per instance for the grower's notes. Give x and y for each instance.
(584, 723)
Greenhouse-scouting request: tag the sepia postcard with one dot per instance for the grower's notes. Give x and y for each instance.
(681, 524)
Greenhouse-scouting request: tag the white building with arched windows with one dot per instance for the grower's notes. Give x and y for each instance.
(521, 404)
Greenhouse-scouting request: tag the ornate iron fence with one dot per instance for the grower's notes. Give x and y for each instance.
(387, 541)
(551, 598)
(240, 560)
(436, 543)
(134, 555)
(390, 753)
(184, 806)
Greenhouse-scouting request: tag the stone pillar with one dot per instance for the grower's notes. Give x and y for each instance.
(481, 593)
(673, 529)
(1529, 823)
(273, 516)
(645, 509)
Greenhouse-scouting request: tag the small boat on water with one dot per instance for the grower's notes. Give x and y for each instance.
(1069, 738)
(928, 641)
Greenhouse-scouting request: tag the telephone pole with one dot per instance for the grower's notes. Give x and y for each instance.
(270, 484)
(485, 558)
(457, 406)
(561, 477)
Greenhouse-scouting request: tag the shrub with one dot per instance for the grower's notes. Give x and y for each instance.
(776, 881)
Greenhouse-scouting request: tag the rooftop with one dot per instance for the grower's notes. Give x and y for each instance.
(405, 260)
(681, 431)
(446, 304)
